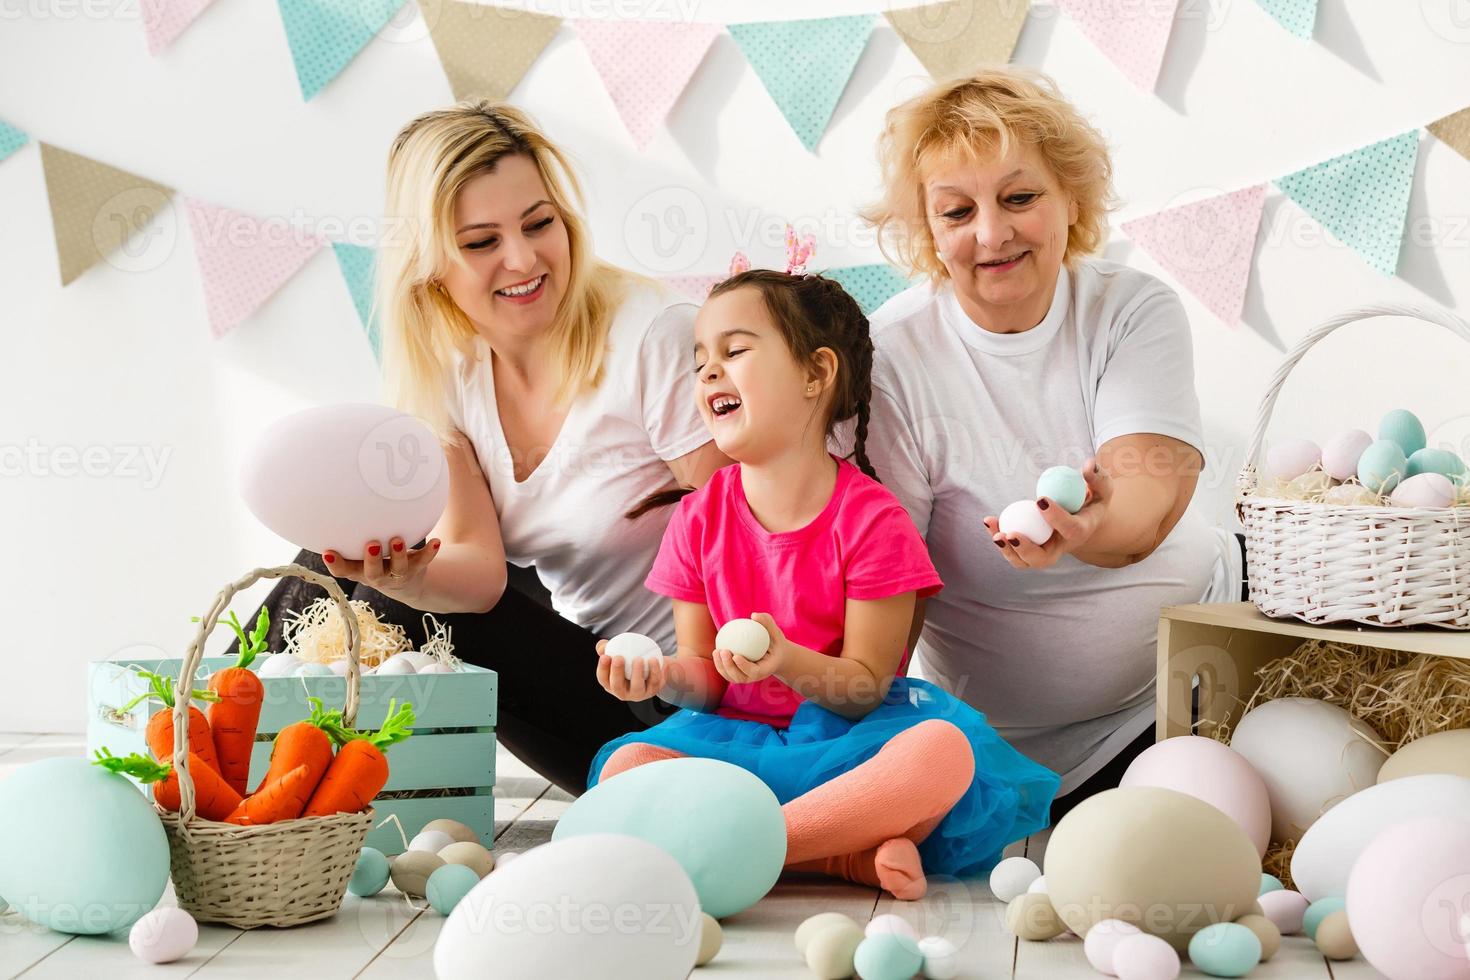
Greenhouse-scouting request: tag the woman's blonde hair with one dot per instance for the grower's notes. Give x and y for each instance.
(973, 119)
(430, 161)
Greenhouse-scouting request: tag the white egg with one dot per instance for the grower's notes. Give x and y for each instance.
(941, 958)
(1039, 885)
(1024, 519)
(339, 667)
(432, 841)
(890, 923)
(1425, 490)
(163, 935)
(312, 670)
(419, 660)
(1340, 454)
(396, 665)
(437, 668)
(1011, 877)
(278, 665)
(633, 648)
(1289, 460)
(745, 637)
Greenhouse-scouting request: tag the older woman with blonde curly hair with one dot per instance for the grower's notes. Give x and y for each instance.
(1017, 353)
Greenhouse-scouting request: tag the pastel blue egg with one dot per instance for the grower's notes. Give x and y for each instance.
(1440, 461)
(1225, 949)
(721, 823)
(1270, 883)
(1064, 485)
(81, 850)
(1404, 428)
(371, 874)
(1319, 910)
(887, 956)
(449, 884)
(1382, 466)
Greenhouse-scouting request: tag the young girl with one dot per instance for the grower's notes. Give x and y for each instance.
(882, 778)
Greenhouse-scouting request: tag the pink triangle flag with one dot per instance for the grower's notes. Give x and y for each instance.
(1207, 246)
(1133, 35)
(645, 66)
(165, 20)
(243, 260)
(693, 287)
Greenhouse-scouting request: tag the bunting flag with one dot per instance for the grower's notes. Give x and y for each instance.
(644, 89)
(1453, 130)
(1132, 35)
(242, 260)
(1207, 246)
(165, 20)
(1297, 16)
(356, 263)
(11, 139)
(870, 285)
(805, 65)
(955, 37)
(695, 288)
(1362, 197)
(325, 35)
(94, 208)
(485, 49)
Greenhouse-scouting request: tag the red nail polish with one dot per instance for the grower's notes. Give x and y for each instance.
(397, 545)
(329, 558)
(373, 550)
(436, 545)
(1042, 504)
(998, 542)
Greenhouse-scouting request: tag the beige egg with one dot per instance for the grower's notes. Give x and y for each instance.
(811, 926)
(1032, 917)
(829, 951)
(1255, 908)
(411, 870)
(711, 938)
(1265, 931)
(456, 830)
(1442, 752)
(1168, 863)
(1335, 937)
(471, 854)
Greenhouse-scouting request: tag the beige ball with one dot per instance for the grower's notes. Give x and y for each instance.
(711, 938)
(829, 952)
(745, 637)
(456, 830)
(411, 869)
(1265, 931)
(1335, 938)
(1442, 752)
(810, 927)
(1032, 917)
(471, 854)
(1152, 857)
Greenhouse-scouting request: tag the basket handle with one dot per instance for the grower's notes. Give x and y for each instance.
(1431, 314)
(185, 687)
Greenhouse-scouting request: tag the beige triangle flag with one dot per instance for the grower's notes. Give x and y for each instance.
(485, 49)
(955, 37)
(1454, 129)
(95, 208)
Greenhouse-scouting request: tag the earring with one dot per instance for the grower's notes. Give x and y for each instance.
(809, 389)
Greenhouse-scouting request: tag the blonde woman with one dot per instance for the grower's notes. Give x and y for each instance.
(560, 387)
(1017, 353)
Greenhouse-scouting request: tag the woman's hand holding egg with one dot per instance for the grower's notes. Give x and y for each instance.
(738, 669)
(396, 570)
(1070, 532)
(629, 678)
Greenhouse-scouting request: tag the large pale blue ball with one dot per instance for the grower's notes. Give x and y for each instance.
(449, 884)
(1225, 949)
(722, 824)
(1064, 485)
(1382, 466)
(1404, 428)
(887, 956)
(81, 850)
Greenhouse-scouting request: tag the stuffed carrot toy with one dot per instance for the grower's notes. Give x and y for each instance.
(160, 731)
(213, 798)
(360, 770)
(239, 693)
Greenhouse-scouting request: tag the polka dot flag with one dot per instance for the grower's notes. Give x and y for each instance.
(1297, 16)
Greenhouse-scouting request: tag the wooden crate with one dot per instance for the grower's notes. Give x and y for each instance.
(452, 748)
(1224, 644)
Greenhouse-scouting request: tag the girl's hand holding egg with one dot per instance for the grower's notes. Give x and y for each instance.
(1063, 532)
(396, 570)
(630, 667)
(736, 665)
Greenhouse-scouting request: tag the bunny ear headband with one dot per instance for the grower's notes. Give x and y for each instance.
(798, 252)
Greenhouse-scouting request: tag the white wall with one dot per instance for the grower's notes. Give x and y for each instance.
(101, 566)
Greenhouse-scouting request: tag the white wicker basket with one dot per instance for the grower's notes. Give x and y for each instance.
(1327, 563)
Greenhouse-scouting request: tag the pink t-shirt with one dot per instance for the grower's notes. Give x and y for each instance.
(863, 545)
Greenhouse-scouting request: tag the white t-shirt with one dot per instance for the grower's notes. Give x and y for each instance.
(566, 518)
(1060, 660)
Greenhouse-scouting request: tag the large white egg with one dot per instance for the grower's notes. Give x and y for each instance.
(1340, 454)
(1326, 853)
(612, 904)
(338, 476)
(1311, 755)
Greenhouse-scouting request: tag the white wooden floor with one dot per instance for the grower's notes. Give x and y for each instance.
(383, 937)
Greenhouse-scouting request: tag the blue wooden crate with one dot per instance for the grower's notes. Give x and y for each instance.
(452, 748)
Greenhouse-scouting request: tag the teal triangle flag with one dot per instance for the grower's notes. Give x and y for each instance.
(870, 285)
(11, 139)
(805, 65)
(356, 262)
(1362, 197)
(325, 35)
(1297, 16)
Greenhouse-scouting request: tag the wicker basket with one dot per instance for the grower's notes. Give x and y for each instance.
(280, 874)
(1328, 563)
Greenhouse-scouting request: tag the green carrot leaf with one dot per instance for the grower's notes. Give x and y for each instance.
(140, 767)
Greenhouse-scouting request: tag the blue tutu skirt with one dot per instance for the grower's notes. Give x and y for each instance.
(1009, 798)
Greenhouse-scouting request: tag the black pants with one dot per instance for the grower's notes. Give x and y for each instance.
(552, 714)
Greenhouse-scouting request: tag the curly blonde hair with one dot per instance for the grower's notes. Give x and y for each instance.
(976, 118)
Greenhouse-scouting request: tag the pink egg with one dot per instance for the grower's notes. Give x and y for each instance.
(1285, 909)
(1340, 454)
(1425, 490)
(338, 476)
(1102, 941)
(1023, 518)
(1405, 897)
(1289, 460)
(1144, 957)
(1211, 771)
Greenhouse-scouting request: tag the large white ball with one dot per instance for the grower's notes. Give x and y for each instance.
(337, 476)
(608, 903)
